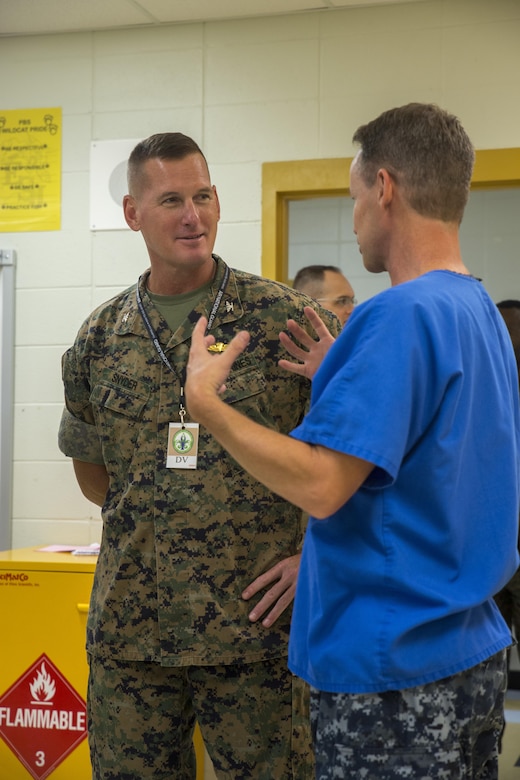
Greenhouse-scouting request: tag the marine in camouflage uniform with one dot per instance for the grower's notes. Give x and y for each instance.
(179, 546)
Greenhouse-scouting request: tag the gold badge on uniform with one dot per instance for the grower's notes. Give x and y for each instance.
(218, 347)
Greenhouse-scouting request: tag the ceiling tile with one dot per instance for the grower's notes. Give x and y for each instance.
(27, 17)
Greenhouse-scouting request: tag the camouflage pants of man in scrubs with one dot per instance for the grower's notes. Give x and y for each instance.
(446, 730)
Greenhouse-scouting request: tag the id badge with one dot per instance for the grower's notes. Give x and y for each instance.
(183, 443)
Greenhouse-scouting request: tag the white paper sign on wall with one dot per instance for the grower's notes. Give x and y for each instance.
(108, 183)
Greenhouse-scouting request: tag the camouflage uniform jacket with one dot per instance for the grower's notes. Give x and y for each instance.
(179, 546)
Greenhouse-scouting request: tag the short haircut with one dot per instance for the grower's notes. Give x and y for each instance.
(165, 146)
(312, 274)
(427, 151)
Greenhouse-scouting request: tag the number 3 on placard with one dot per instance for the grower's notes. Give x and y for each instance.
(40, 758)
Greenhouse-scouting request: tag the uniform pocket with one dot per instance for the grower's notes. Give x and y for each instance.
(118, 412)
(243, 384)
(118, 400)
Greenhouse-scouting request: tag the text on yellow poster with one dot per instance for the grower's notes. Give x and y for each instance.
(30, 169)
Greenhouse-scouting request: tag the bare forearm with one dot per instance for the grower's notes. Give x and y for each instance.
(267, 455)
(92, 480)
(316, 479)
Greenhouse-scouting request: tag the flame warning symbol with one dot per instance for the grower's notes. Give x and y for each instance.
(43, 720)
(43, 687)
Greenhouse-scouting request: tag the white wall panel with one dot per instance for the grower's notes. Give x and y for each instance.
(54, 259)
(45, 317)
(38, 48)
(257, 131)
(157, 78)
(37, 378)
(262, 30)
(141, 123)
(238, 243)
(37, 425)
(413, 58)
(238, 185)
(48, 82)
(147, 39)
(36, 532)
(50, 492)
(253, 73)
(118, 259)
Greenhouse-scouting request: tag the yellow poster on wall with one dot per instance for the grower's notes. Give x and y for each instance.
(30, 169)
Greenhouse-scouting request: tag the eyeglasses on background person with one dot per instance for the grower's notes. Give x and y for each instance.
(344, 301)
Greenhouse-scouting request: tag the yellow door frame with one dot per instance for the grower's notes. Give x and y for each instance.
(300, 179)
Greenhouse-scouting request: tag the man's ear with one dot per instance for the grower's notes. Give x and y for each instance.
(385, 187)
(218, 202)
(130, 212)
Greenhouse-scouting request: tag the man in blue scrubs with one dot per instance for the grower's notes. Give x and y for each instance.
(408, 465)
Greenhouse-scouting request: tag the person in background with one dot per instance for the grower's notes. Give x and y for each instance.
(327, 285)
(408, 464)
(508, 599)
(510, 311)
(191, 603)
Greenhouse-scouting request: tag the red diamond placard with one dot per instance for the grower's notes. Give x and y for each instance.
(42, 718)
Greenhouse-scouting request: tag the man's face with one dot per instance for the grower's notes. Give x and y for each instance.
(366, 219)
(177, 211)
(337, 295)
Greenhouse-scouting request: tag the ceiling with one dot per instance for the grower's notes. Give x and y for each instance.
(38, 17)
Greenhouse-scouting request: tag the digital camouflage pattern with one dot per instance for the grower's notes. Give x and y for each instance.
(446, 730)
(179, 546)
(245, 740)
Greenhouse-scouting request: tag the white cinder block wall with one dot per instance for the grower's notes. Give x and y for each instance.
(268, 89)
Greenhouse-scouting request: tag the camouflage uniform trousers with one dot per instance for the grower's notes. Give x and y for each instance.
(254, 720)
(446, 730)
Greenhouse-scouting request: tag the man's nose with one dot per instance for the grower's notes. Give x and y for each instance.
(190, 211)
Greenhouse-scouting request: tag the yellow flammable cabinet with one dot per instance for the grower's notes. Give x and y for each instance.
(44, 599)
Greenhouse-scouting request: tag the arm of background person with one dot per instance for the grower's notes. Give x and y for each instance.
(92, 480)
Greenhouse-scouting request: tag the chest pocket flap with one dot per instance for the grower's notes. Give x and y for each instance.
(244, 383)
(119, 400)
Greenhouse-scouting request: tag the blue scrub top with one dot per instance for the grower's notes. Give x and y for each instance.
(395, 589)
